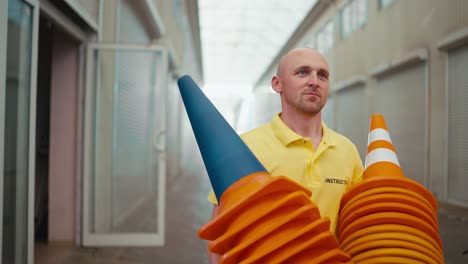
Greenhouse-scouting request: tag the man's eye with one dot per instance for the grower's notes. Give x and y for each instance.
(323, 75)
(302, 72)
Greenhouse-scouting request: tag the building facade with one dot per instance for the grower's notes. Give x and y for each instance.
(91, 119)
(407, 60)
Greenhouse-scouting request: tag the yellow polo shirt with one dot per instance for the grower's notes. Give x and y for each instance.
(328, 171)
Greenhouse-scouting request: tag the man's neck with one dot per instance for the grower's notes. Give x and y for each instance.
(305, 125)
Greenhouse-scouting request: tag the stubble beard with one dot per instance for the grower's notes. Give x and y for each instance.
(309, 107)
(302, 104)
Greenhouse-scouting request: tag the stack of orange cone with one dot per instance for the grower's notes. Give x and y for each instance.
(265, 219)
(388, 218)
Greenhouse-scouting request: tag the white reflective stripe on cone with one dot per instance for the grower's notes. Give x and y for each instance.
(378, 134)
(381, 154)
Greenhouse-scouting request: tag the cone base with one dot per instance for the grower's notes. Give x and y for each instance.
(388, 228)
(387, 181)
(387, 207)
(236, 198)
(394, 251)
(246, 226)
(400, 240)
(256, 235)
(291, 250)
(389, 218)
(388, 194)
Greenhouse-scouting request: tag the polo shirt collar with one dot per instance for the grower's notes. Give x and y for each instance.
(286, 136)
(328, 138)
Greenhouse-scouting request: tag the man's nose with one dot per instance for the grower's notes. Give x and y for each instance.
(313, 79)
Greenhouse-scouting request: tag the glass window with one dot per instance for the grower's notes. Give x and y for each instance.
(325, 38)
(384, 3)
(353, 16)
(360, 12)
(16, 137)
(346, 21)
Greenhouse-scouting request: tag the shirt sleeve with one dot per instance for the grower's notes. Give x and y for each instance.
(358, 168)
(212, 198)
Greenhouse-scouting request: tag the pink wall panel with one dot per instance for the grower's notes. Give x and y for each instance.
(64, 87)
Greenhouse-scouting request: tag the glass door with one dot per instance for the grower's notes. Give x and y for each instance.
(18, 129)
(125, 154)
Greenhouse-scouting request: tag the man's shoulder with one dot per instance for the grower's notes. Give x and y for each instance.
(260, 137)
(262, 132)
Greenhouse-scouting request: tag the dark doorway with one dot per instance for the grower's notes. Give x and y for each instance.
(44, 70)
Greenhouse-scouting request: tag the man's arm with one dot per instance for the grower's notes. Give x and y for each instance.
(212, 257)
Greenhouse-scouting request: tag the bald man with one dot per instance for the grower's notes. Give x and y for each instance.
(297, 143)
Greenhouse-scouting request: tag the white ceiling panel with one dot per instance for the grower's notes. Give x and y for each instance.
(240, 38)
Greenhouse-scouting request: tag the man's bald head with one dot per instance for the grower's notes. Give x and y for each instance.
(285, 60)
(302, 80)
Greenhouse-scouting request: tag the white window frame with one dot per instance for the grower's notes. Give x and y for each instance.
(32, 128)
(323, 35)
(124, 239)
(354, 24)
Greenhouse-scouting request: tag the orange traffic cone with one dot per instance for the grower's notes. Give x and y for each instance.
(262, 219)
(381, 158)
(388, 218)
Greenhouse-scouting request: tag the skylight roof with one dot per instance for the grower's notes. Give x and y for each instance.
(240, 38)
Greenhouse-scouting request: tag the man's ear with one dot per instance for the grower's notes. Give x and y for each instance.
(276, 84)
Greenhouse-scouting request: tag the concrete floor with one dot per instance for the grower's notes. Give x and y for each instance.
(189, 210)
(453, 229)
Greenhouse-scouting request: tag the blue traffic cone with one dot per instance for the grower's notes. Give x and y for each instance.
(226, 157)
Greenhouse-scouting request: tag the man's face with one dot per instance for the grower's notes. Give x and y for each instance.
(302, 81)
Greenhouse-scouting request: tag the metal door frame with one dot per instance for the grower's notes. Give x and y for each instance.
(32, 117)
(123, 239)
(3, 43)
(32, 127)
